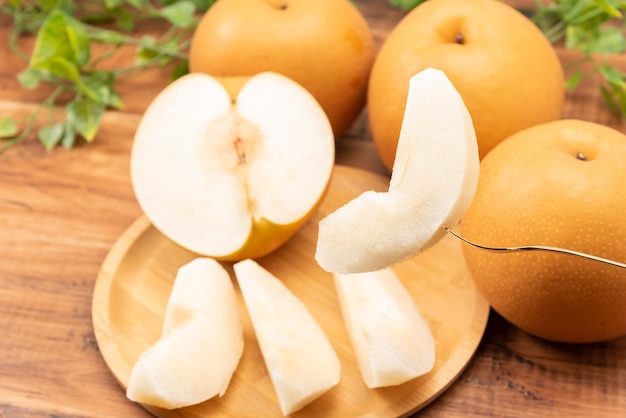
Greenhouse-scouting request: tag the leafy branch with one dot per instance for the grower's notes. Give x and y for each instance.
(66, 31)
(595, 28)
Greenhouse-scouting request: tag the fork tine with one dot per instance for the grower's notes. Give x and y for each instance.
(537, 248)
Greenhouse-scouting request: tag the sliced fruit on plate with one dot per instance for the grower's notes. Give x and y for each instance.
(300, 360)
(231, 168)
(391, 340)
(201, 342)
(433, 182)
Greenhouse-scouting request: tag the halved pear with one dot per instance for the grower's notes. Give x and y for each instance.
(232, 173)
(391, 340)
(301, 362)
(432, 183)
(200, 345)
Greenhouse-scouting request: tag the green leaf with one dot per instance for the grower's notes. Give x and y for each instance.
(575, 38)
(609, 8)
(8, 127)
(151, 51)
(105, 96)
(615, 94)
(607, 95)
(179, 14)
(115, 101)
(50, 135)
(125, 20)
(146, 51)
(577, 12)
(621, 98)
(612, 74)
(609, 41)
(60, 36)
(96, 86)
(179, 70)
(99, 93)
(85, 116)
(99, 87)
(78, 39)
(203, 5)
(600, 40)
(62, 67)
(574, 80)
(29, 78)
(49, 42)
(69, 136)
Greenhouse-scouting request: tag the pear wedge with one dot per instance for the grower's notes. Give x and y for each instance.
(201, 342)
(433, 181)
(300, 360)
(391, 340)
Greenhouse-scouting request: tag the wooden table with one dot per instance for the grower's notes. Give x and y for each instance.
(61, 211)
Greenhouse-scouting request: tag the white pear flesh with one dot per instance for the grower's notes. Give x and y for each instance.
(301, 362)
(391, 340)
(216, 174)
(433, 181)
(200, 345)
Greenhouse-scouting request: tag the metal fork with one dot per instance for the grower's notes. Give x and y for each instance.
(537, 248)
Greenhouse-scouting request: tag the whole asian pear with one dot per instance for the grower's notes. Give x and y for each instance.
(559, 184)
(324, 45)
(506, 71)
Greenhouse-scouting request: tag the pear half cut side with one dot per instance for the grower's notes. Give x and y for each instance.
(231, 174)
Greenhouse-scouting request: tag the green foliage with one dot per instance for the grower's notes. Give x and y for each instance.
(66, 31)
(8, 128)
(596, 28)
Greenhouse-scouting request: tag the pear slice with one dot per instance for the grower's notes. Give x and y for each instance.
(391, 340)
(231, 168)
(200, 345)
(433, 181)
(300, 360)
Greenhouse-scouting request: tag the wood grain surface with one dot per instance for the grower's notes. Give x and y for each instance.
(62, 211)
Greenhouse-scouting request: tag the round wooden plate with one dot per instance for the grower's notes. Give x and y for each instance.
(135, 280)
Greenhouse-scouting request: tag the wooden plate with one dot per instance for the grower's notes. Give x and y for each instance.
(133, 286)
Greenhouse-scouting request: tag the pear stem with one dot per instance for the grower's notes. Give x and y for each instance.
(537, 248)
